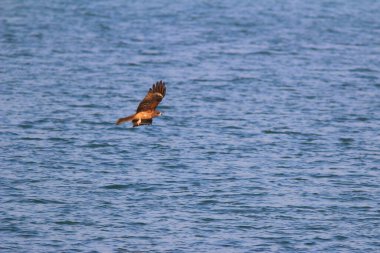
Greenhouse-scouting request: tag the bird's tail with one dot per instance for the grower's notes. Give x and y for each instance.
(126, 119)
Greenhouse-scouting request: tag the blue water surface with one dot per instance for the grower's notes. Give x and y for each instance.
(269, 142)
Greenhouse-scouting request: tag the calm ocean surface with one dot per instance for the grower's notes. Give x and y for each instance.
(269, 142)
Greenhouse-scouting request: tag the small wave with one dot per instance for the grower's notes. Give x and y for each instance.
(346, 141)
(116, 187)
(362, 70)
(67, 222)
(43, 201)
(25, 125)
(288, 133)
(97, 145)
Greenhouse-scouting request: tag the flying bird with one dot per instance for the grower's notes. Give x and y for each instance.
(146, 110)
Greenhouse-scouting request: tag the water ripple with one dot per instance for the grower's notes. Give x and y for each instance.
(268, 140)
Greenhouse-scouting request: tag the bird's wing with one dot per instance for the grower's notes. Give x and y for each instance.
(153, 98)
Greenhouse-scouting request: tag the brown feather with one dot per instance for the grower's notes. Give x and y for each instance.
(143, 122)
(153, 97)
(126, 119)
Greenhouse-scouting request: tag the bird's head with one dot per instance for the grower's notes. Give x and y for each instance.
(157, 113)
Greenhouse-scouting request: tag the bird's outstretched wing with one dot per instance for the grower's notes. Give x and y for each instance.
(153, 98)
